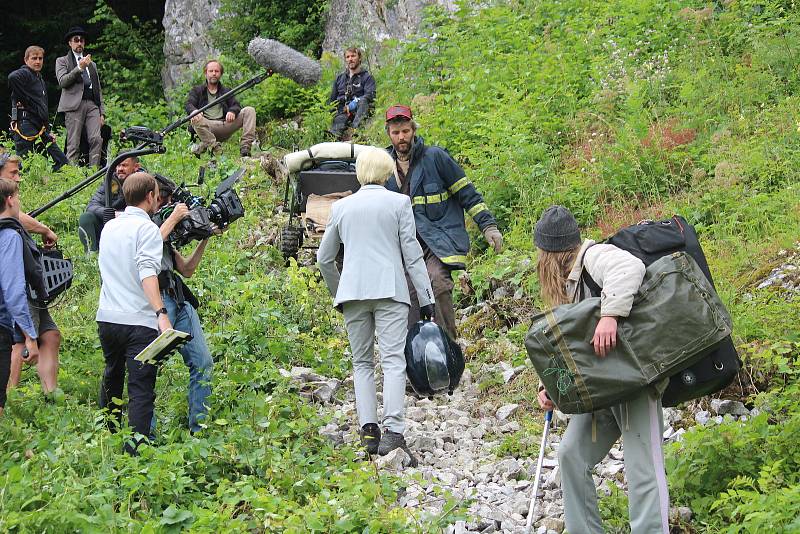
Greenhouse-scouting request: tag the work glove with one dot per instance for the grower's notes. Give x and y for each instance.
(427, 312)
(493, 237)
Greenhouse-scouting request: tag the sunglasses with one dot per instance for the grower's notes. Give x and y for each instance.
(77, 39)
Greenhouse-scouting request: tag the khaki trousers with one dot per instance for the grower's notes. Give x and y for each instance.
(211, 132)
(442, 285)
(586, 441)
(86, 116)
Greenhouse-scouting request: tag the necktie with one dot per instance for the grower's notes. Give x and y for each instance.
(87, 81)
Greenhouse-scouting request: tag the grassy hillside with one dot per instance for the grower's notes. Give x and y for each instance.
(620, 110)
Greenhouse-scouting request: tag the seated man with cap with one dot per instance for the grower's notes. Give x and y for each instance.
(91, 221)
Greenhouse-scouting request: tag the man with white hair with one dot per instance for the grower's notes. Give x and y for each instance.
(377, 229)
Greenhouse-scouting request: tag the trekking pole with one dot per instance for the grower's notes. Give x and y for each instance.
(532, 508)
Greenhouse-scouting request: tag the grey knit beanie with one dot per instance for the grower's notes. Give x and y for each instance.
(557, 230)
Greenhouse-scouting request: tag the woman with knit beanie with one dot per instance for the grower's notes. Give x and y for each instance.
(563, 259)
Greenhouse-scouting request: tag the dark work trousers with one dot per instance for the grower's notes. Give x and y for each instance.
(442, 285)
(121, 343)
(342, 120)
(43, 143)
(6, 341)
(89, 228)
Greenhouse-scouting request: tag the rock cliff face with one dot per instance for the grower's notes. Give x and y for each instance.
(186, 40)
(363, 22)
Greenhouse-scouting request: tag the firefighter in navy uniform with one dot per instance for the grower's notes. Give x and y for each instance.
(440, 194)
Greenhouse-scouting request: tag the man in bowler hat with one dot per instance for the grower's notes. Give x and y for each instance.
(81, 97)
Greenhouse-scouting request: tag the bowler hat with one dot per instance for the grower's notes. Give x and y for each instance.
(73, 31)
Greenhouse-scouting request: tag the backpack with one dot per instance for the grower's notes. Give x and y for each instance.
(31, 259)
(648, 241)
(47, 273)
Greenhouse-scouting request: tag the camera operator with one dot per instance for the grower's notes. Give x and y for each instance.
(130, 311)
(353, 91)
(181, 307)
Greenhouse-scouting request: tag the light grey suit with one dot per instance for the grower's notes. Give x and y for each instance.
(80, 113)
(377, 229)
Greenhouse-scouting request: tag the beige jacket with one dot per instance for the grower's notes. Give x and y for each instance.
(618, 272)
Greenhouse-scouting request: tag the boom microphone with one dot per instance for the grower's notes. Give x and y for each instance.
(281, 59)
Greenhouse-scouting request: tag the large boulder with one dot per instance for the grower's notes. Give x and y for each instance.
(187, 43)
(364, 22)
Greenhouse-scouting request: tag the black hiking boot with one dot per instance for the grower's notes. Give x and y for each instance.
(370, 437)
(391, 441)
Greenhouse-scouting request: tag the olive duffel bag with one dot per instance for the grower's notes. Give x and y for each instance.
(676, 315)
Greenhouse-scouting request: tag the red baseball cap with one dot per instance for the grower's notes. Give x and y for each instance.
(399, 111)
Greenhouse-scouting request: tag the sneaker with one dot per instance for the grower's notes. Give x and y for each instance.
(198, 149)
(391, 441)
(216, 149)
(370, 437)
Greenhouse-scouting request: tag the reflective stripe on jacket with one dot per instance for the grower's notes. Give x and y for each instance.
(441, 193)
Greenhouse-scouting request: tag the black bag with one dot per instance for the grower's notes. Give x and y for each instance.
(648, 241)
(434, 362)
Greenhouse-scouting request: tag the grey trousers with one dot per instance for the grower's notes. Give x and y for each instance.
(86, 116)
(211, 132)
(640, 423)
(388, 319)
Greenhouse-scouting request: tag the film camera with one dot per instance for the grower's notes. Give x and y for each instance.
(201, 220)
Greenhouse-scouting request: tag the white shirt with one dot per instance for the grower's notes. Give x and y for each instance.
(78, 58)
(130, 251)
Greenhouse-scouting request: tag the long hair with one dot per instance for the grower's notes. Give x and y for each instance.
(553, 268)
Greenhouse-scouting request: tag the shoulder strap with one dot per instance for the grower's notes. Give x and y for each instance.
(587, 281)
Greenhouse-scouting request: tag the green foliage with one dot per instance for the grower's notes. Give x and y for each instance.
(131, 55)
(523, 443)
(299, 25)
(259, 464)
(743, 477)
(614, 509)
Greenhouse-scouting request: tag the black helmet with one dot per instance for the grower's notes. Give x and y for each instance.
(434, 363)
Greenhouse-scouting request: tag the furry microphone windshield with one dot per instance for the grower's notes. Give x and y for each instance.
(281, 59)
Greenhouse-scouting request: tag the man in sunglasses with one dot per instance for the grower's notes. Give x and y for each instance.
(81, 97)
